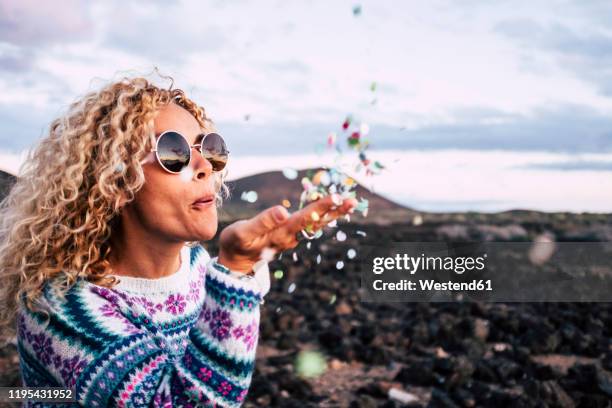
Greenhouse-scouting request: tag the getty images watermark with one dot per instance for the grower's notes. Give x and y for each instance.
(487, 271)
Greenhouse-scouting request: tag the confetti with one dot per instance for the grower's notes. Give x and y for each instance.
(310, 364)
(332, 300)
(349, 182)
(278, 309)
(308, 245)
(351, 253)
(286, 203)
(336, 199)
(417, 220)
(362, 233)
(249, 196)
(321, 178)
(362, 207)
(267, 254)
(339, 265)
(278, 274)
(364, 129)
(347, 123)
(290, 173)
(315, 216)
(291, 288)
(333, 224)
(341, 236)
(295, 257)
(318, 259)
(331, 139)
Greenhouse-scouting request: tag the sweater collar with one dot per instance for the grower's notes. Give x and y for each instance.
(178, 281)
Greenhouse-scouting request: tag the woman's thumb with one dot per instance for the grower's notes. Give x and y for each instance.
(268, 220)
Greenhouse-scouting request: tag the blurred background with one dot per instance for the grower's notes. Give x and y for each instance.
(481, 106)
(493, 122)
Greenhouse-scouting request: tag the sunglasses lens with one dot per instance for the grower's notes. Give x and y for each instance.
(173, 151)
(215, 151)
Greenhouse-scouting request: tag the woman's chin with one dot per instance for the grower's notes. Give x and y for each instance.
(206, 234)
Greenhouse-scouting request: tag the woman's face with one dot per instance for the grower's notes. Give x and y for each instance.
(168, 204)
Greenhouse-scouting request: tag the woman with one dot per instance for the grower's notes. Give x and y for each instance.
(114, 297)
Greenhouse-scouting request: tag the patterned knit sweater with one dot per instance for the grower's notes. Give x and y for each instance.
(185, 340)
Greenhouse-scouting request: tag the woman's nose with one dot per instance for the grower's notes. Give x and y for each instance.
(202, 166)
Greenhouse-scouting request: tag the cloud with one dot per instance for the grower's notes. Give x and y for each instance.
(572, 165)
(586, 52)
(38, 23)
(145, 29)
(564, 129)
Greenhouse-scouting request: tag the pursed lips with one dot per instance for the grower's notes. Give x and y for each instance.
(204, 201)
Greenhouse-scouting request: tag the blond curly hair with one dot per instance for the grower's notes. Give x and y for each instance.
(56, 222)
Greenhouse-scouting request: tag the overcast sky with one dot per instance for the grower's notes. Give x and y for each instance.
(520, 76)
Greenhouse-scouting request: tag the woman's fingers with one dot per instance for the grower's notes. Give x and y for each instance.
(312, 217)
(264, 222)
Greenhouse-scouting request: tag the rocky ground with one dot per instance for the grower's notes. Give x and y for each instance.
(430, 354)
(469, 354)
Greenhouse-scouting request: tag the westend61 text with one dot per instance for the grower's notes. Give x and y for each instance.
(429, 284)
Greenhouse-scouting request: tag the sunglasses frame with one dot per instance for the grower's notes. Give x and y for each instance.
(198, 146)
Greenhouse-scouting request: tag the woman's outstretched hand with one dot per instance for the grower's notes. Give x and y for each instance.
(241, 243)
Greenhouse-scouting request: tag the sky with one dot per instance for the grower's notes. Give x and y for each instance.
(478, 105)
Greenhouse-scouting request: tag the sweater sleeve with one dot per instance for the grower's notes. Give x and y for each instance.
(135, 366)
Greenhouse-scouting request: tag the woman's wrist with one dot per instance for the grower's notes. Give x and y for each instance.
(244, 266)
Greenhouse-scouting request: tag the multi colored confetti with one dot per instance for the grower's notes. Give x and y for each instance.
(295, 257)
(332, 300)
(290, 173)
(341, 236)
(286, 203)
(249, 196)
(318, 259)
(278, 274)
(362, 233)
(351, 253)
(339, 265)
(310, 364)
(291, 288)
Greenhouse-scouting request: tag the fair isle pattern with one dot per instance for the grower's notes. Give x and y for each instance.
(187, 340)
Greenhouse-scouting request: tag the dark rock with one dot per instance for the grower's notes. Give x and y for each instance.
(485, 372)
(463, 397)
(296, 387)
(418, 372)
(506, 369)
(439, 399)
(364, 401)
(287, 340)
(544, 372)
(549, 392)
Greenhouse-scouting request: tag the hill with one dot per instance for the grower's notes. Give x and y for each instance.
(273, 187)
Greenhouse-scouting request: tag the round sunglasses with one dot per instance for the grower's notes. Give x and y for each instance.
(173, 151)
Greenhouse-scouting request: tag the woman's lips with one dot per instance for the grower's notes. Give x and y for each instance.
(203, 202)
